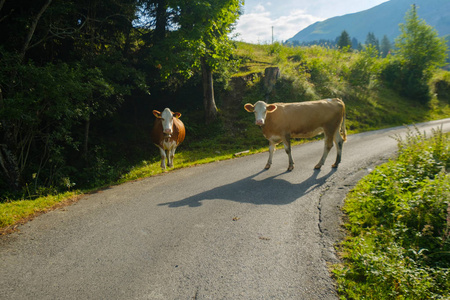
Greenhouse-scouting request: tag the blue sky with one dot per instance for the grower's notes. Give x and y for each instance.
(290, 16)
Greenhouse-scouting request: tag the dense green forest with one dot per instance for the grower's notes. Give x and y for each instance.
(79, 79)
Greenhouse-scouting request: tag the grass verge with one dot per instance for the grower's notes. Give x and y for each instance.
(398, 243)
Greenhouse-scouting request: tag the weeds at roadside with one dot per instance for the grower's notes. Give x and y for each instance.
(398, 244)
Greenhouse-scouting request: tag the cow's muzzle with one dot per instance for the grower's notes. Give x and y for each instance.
(259, 122)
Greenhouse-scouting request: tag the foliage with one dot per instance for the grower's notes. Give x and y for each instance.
(366, 68)
(372, 41)
(82, 66)
(385, 47)
(399, 222)
(344, 42)
(197, 29)
(441, 86)
(419, 51)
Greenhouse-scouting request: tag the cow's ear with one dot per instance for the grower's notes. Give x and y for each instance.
(249, 107)
(177, 115)
(157, 114)
(271, 108)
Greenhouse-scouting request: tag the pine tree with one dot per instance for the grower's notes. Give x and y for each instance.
(385, 47)
(372, 40)
(419, 44)
(419, 50)
(344, 41)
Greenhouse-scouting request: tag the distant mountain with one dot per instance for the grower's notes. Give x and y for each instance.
(383, 19)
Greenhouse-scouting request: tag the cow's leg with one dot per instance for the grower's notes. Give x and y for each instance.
(339, 141)
(272, 147)
(328, 145)
(287, 148)
(171, 156)
(163, 158)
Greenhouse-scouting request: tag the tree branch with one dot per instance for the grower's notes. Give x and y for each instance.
(32, 29)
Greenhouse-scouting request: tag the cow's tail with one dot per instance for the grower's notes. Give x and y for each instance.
(343, 129)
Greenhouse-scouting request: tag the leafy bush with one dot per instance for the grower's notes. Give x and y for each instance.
(398, 220)
(441, 86)
(365, 69)
(406, 79)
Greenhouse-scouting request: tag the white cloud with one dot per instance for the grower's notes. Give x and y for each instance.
(259, 8)
(288, 17)
(256, 27)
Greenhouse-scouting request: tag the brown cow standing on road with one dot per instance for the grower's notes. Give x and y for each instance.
(168, 132)
(282, 121)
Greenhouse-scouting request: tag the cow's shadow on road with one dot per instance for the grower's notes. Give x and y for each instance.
(270, 190)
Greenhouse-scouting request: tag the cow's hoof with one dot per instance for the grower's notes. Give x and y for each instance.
(267, 167)
(317, 167)
(334, 166)
(290, 168)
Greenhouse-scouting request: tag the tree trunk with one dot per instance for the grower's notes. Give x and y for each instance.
(87, 126)
(32, 29)
(271, 75)
(8, 161)
(208, 92)
(161, 20)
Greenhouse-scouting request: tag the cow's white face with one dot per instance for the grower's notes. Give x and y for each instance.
(260, 109)
(167, 119)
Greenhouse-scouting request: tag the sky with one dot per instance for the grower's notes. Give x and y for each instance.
(288, 17)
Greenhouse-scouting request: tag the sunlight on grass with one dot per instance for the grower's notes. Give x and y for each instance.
(13, 211)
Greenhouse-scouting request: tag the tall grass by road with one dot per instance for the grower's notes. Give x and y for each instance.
(398, 221)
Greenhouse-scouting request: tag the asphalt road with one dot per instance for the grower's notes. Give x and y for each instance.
(225, 230)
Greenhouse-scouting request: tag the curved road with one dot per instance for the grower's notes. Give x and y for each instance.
(225, 230)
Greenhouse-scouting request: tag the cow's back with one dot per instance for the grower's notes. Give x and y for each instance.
(304, 119)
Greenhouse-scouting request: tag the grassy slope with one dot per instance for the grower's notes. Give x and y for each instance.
(307, 74)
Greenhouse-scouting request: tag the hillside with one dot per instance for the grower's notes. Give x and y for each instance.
(381, 20)
(307, 73)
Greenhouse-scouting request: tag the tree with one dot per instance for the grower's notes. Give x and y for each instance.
(344, 41)
(355, 43)
(62, 66)
(420, 51)
(371, 40)
(385, 47)
(198, 40)
(419, 44)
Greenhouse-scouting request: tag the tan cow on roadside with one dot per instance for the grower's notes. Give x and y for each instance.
(168, 132)
(282, 121)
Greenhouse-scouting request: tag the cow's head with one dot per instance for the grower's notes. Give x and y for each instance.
(167, 119)
(260, 109)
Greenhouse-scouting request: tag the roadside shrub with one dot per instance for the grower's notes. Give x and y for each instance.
(365, 69)
(406, 79)
(399, 220)
(441, 86)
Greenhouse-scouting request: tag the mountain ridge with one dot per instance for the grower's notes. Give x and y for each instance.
(383, 19)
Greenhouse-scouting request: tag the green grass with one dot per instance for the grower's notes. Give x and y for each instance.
(307, 74)
(13, 211)
(398, 222)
